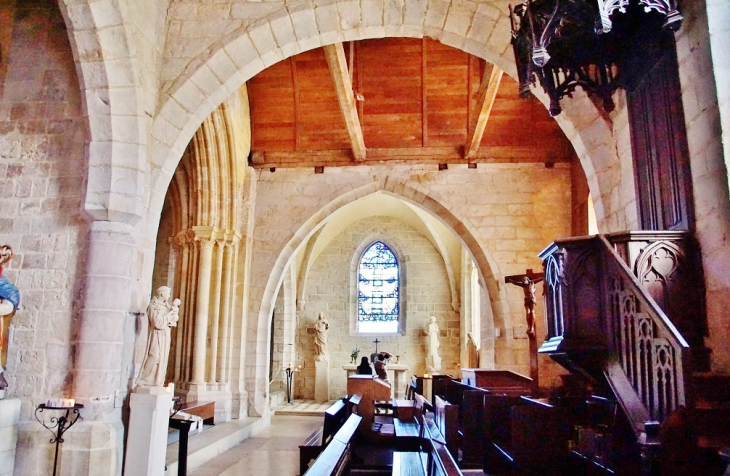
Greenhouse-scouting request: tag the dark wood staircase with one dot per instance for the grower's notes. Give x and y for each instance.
(628, 310)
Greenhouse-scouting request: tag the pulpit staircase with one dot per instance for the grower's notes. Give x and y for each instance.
(627, 310)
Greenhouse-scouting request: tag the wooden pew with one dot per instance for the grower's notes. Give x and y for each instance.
(497, 427)
(434, 460)
(503, 382)
(205, 410)
(371, 390)
(540, 435)
(446, 417)
(334, 417)
(335, 459)
(408, 432)
(470, 425)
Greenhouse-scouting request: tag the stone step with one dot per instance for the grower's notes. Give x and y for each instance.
(210, 443)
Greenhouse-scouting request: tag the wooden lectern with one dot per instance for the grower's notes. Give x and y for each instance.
(371, 390)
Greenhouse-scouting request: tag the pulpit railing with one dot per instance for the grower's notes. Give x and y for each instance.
(601, 319)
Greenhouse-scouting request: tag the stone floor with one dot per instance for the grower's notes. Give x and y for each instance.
(303, 408)
(273, 451)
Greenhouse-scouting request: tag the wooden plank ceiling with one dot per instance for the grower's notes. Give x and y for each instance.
(416, 100)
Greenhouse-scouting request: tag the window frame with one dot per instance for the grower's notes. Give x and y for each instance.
(401, 261)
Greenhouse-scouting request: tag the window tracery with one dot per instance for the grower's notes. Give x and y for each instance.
(378, 289)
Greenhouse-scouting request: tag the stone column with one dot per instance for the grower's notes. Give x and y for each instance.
(200, 339)
(111, 299)
(217, 278)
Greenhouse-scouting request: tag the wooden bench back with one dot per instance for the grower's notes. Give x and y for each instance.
(335, 459)
(540, 434)
(353, 403)
(334, 417)
(446, 417)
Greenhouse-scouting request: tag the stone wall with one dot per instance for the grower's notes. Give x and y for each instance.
(41, 191)
(508, 212)
(426, 293)
(709, 172)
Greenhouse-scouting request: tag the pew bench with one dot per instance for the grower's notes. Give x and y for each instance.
(205, 410)
(315, 443)
(335, 458)
(434, 460)
(408, 431)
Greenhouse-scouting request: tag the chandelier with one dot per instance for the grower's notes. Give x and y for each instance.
(563, 44)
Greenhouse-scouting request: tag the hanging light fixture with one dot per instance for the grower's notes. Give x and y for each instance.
(563, 44)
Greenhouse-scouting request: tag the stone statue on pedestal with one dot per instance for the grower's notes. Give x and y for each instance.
(162, 315)
(433, 361)
(321, 328)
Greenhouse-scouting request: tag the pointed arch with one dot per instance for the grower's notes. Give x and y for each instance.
(257, 347)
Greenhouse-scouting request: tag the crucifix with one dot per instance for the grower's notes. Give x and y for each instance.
(527, 282)
(376, 342)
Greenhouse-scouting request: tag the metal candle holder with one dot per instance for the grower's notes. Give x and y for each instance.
(58, 425)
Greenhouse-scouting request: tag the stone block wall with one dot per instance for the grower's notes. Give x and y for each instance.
(513, 211)
(425, 293)
(42, 172)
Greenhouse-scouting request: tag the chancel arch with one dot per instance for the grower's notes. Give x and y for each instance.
(262, 299)
(240, 55)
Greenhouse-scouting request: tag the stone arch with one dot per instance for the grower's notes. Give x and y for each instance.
(410, 192)
(111, 98)
(234, 59)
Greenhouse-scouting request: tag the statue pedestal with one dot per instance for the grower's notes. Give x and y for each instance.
(321, 381)
(9, 417)
(149, 415)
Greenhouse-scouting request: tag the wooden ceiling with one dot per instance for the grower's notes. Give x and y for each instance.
(409, 100)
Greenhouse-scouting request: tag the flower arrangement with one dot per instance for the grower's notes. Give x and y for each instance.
(354, 354)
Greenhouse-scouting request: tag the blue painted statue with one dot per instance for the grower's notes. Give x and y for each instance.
(9, 301)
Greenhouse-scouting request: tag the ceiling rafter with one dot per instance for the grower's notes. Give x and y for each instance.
(337, 62)
(425, 155)
(483, 107)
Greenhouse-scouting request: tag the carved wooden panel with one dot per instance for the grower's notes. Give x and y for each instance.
(659, 142)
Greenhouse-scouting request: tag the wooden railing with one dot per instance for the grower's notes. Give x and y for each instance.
(600, 319)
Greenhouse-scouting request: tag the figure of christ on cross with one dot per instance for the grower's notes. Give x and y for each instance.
(527, 282)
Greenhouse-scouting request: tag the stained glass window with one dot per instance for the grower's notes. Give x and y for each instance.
(377, 290)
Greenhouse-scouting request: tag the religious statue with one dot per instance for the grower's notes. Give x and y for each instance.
(527, 283)
(321, 328)
(162, 315)
(9, 301)
(433, 361)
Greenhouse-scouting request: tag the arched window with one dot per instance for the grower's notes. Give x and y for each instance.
(377, 290)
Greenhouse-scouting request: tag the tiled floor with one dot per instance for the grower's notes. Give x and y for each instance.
(273, 451)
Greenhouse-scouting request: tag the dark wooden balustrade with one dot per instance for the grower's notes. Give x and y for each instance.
(602, 321)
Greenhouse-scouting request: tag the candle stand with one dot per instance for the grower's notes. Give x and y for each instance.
(289, 378)
(58, 425)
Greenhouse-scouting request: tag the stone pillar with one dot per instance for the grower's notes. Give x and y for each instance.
(321, 381)
(111, 299)
(149, 414)
(9, 417)
(202, 309)
(217, 278)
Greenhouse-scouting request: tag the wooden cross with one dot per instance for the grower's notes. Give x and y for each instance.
(527, 283)
(376, 342)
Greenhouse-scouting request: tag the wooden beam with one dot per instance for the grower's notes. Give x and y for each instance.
(479, 117)
(337, 62)
(427, 155)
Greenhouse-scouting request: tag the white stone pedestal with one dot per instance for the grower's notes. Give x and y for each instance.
(9, 417)
(321, 381)
(149, 414)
